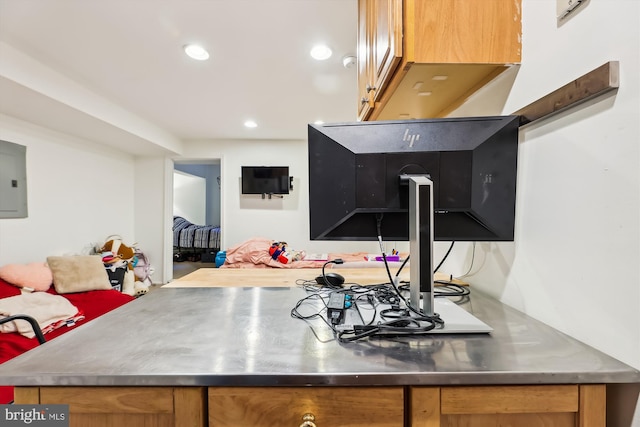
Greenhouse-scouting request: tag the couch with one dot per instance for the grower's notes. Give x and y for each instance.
(91, 303)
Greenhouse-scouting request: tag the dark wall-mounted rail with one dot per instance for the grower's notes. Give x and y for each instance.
(599, 81)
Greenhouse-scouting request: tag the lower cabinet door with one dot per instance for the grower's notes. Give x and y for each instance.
(123, 406)
(508, 406)
(306, 406)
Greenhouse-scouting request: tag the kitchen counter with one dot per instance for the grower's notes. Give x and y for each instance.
(245, 336)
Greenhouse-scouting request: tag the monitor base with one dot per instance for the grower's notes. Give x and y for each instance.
(457, 320)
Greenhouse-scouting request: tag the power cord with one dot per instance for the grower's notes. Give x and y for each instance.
(398, 321)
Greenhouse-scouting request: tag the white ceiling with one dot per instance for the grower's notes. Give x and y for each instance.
(129, 53)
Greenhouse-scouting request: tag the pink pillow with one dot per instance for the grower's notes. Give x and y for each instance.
(36, 275)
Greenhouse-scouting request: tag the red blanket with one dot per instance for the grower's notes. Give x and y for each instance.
(93, 304)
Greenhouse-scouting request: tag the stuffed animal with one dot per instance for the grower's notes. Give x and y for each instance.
(281, 253)
(116, 254)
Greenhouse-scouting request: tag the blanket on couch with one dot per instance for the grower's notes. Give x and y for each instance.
(93, 304)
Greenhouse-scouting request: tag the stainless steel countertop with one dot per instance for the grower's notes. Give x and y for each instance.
(246, 337)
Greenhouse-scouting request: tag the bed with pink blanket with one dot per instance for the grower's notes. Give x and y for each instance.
(254, 253)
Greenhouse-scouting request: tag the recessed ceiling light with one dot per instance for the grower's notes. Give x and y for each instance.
(196, 52)
(320, 52)
(440, 77)
(424, 93)
(250, 124)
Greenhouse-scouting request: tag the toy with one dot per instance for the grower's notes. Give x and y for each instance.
(141, 268)
(279, 252)
(115, 254)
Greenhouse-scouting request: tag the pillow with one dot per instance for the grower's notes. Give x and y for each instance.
(36, 275)
(78, 273)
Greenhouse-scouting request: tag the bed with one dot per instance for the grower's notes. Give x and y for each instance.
(188, 236)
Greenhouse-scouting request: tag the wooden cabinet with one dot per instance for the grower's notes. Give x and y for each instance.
(123, 406)
(306, 406)
(504, 406)
(423, 58)
(478, 406)
(569, 405)
(379, 48)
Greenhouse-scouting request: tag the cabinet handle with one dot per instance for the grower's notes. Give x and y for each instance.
(364, 100)
(369, 88)
(308, 420)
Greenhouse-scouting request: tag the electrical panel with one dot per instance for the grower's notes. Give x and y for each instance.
(13, 180)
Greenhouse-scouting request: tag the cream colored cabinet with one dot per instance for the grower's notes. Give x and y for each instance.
(423, 58)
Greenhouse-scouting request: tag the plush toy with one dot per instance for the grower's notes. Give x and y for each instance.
(116, 254)
(279, 252)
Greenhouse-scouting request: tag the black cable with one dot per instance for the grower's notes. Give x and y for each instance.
(445, 257)
(296, 315)
(436, 318)
(451, 290)
(405, 326)
(324, 276)
(402, 265)
(407, 321)
(320, 293)
(379, 217)
(400, 322)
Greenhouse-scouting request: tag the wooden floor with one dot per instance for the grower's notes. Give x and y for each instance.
(183, 268)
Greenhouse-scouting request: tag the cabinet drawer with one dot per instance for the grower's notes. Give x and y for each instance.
(286, 406)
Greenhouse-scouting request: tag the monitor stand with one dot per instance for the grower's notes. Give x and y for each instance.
(421, 285)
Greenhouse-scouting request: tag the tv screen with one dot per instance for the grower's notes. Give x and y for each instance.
(265, 180)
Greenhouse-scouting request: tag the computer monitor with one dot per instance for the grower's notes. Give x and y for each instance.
(361, 173)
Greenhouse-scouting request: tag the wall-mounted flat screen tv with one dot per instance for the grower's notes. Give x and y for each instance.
(265, 180)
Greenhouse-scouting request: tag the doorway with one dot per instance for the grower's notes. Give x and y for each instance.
(196, 204)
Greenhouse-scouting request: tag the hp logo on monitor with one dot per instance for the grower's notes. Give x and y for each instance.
(411, 138)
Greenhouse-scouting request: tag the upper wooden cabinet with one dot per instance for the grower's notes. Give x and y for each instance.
(380, 45)
(423, 58)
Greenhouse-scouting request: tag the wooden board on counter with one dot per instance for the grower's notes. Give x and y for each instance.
(283, 277)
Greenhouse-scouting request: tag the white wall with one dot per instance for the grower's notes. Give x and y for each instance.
(211, 173)
(78, 193)
(247, 216)
(575, 262)
(153, 208)
(189, 197)
(578, 235)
